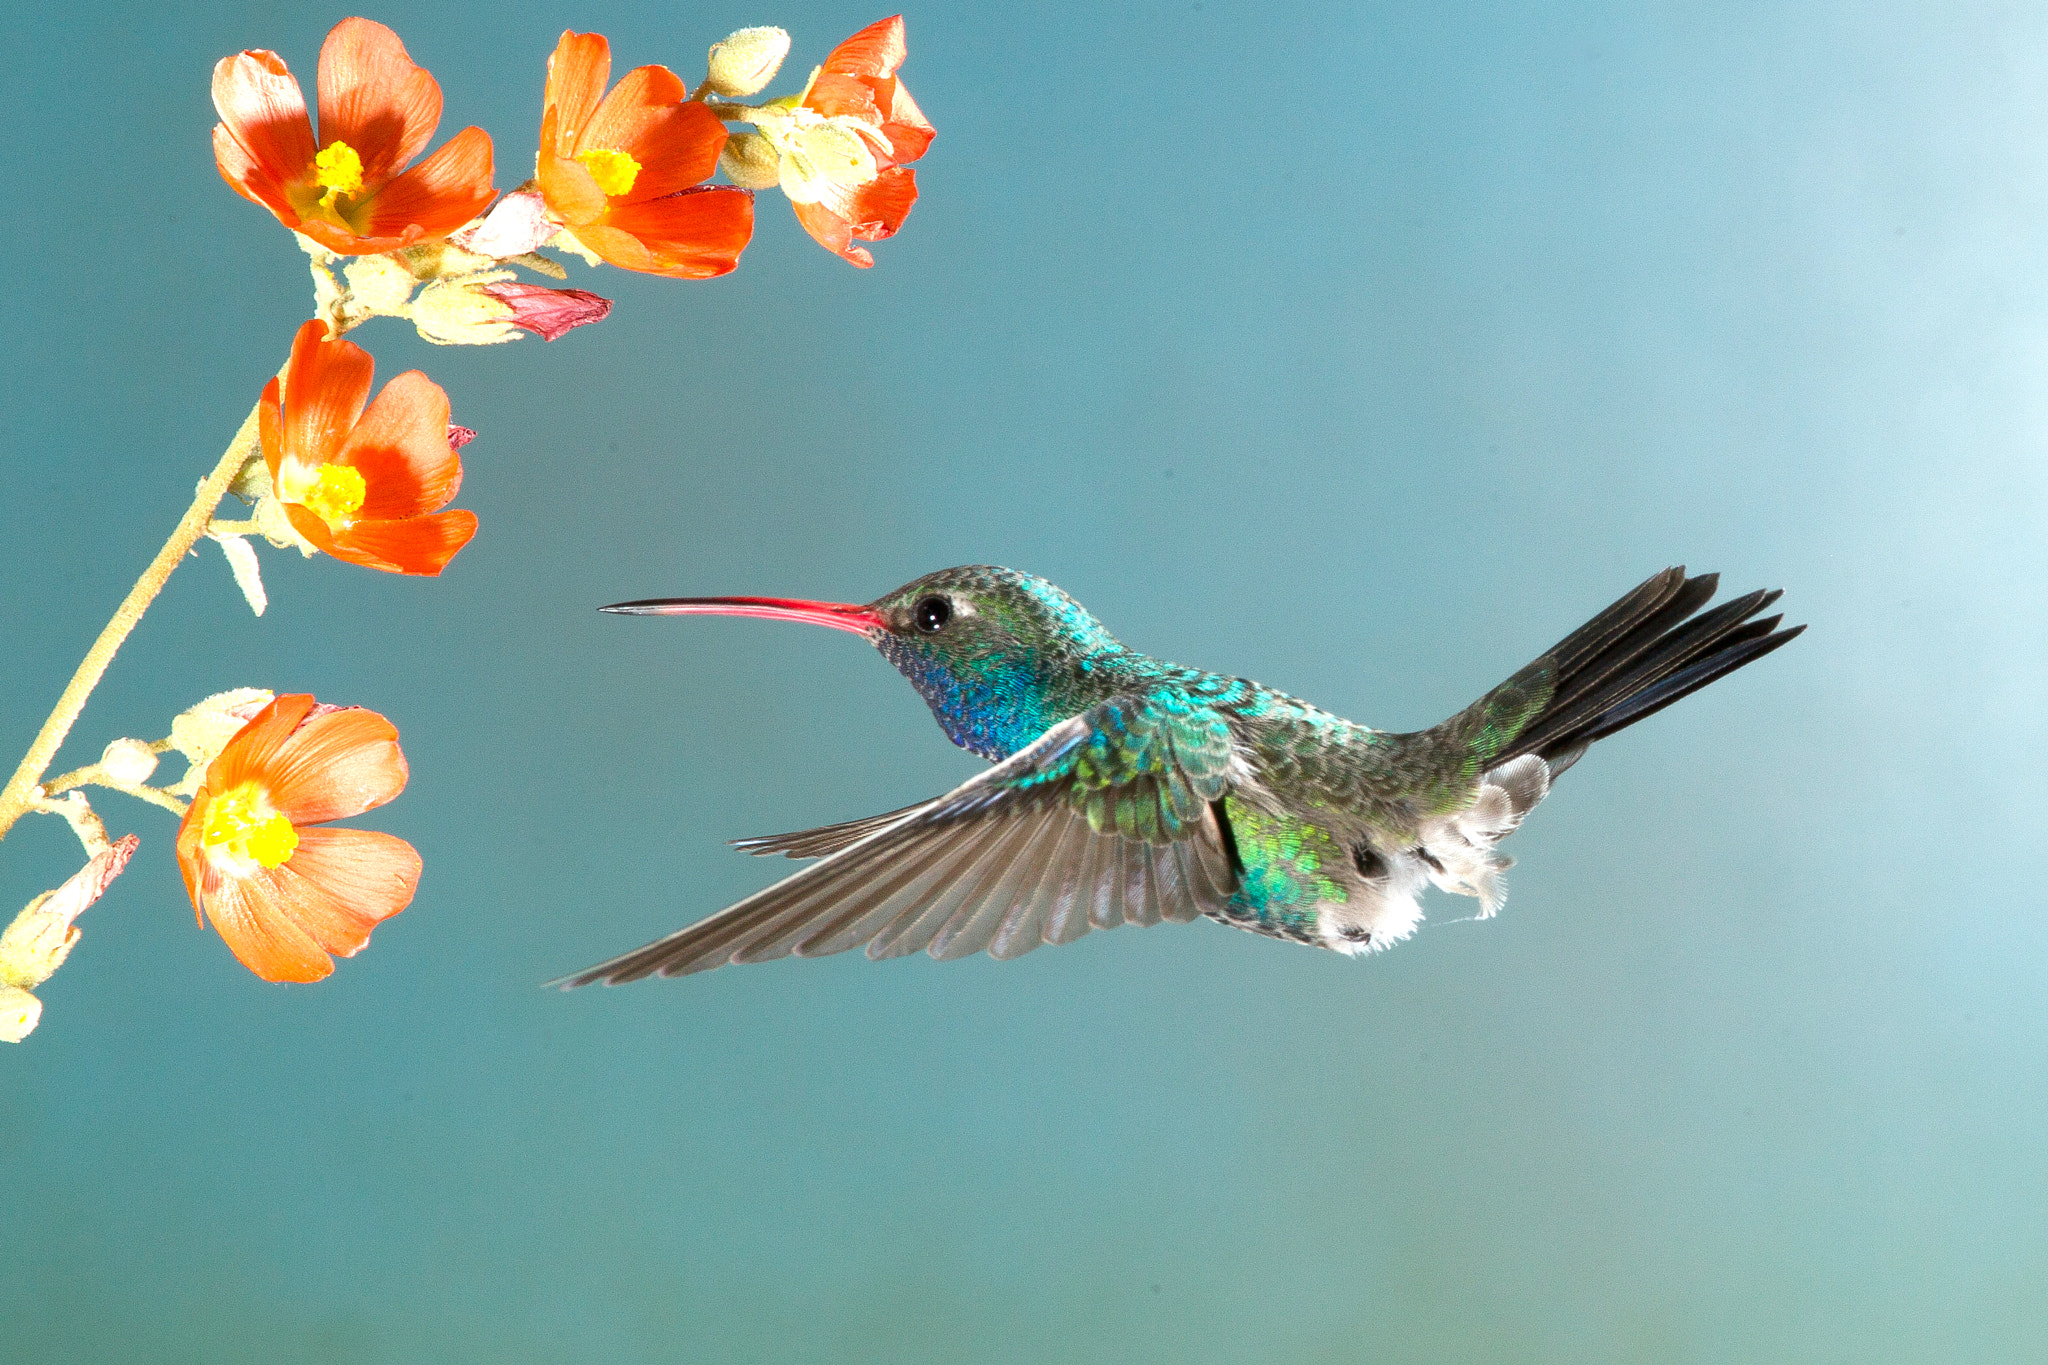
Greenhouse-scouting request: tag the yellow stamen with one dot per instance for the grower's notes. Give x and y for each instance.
(243, 830)
(339, 171)
(334, 495)
(614, 172)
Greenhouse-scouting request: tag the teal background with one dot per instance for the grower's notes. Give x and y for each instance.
(1362, 349)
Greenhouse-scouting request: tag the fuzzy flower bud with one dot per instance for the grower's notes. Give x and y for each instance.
(485, 310)
(41, 936)
(128, 760)
(201, 732)
(751, 162)
(378, 284)
(19, 1014)
(745, 61)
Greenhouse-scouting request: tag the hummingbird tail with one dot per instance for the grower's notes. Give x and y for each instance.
(1634, 659)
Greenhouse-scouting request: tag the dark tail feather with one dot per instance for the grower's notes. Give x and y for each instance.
(1637, 657)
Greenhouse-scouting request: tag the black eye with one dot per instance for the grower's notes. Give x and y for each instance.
(931, 614)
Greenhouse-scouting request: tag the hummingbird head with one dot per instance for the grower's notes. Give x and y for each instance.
(998, 655)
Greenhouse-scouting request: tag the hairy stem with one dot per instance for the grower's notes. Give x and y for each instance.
(19, 794)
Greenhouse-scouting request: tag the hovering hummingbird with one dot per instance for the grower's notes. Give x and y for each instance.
(1128, 790)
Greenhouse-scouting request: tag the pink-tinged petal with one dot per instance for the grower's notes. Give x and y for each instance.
(516, 224)
(549, 313)
(833, 233)
(90, 882)
(335, 765)
(249, 919)
(458, 437)
(374, 98)
(676, 143)
(250, 753)
(693, 235)
(435, 197)
(264, 111)
(400, 445)
(566, 184)
(577, 73)
(325, 387)
(417, 545)
(339, 884)
(876, 50)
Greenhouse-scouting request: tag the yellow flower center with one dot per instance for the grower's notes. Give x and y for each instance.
(614, 172)
(244, 831)
(335, 494)
(339, 171)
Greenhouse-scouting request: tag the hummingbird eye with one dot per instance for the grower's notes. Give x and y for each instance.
(931, 614)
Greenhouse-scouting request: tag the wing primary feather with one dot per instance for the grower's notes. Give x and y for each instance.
(1023, 928)
(974, 924)
(1067, 919)
(913, 929)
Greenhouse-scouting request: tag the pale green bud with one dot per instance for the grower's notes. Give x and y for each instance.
(751, 162)
(745, 61)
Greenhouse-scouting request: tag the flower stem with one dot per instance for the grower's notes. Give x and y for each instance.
(19, 794)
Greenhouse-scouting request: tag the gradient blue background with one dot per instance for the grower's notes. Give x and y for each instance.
(1361, 349)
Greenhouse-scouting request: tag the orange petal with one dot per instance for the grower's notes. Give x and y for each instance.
(577, 72)
(192, 865)
(324, 390)
(246, 914)
(264, 112)
(692, 235)
(252, 751)
(416, 545)
(374, 98)
(880, 206)
(834, 233)
(571, 193)
(647, 116)
(336, 764)
(836, 94)
(876, 50)
(905, 125)
(400, 444)
(249, 177)
(270, 425)
(435, 197)
(341, 883)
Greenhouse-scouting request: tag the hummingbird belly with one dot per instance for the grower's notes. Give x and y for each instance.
(1315, 882)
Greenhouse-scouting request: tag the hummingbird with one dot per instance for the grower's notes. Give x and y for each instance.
(1129, 790)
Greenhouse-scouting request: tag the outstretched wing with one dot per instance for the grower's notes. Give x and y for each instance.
(1105, 819)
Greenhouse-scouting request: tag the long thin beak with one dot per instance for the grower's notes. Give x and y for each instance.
(837, 615)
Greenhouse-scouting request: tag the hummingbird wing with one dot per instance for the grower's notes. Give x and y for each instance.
(1105, 819)
(824, 839)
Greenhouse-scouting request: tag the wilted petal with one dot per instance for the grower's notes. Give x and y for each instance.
(549, 312)
(458, 437)
(516, 224)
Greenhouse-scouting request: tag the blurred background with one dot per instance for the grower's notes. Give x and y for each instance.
(1362, 349)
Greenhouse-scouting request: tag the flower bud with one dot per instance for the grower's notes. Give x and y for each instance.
(487, 309)
(751, 162)
(378, 285)
(745, 61)
(19, 1014)
(40, 937)
(128, 760)
(202, 731)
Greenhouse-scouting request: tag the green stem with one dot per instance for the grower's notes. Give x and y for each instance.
(19, 794)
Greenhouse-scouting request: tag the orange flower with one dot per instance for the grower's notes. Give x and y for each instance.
(363, 486)
(858, 84)
(349, 189)
(624, 171)
(282, 894)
